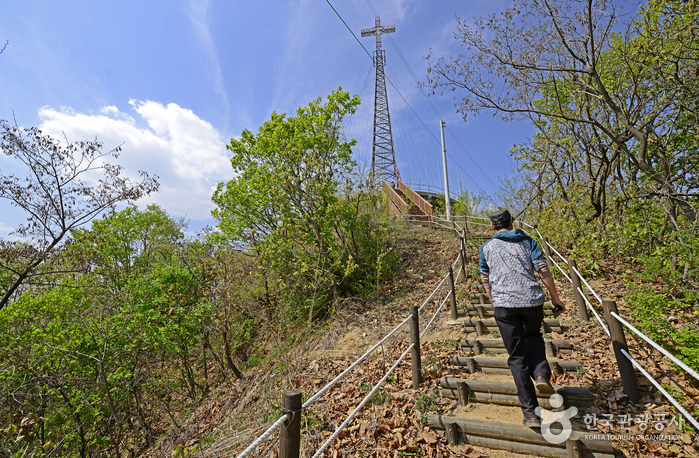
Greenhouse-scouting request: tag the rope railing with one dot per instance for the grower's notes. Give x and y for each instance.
(434, 292)
(362, 358)
(361, 405)
(263, 437)
(669, 397)
(332, 383)
(588, 285)
(458, 274)
(446, 298)
(556, 251)
(620, 339)
(674, 359)
(562, 271)
(594, 312)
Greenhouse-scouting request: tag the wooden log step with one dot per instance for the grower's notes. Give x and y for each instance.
(498, 343)
(488, 306)
(487, 312)
(510, 388)
(499, 365)
(482, 327)
(513, 399)
(516, 438)
(485, 330)
(478, 346)
(553, 322)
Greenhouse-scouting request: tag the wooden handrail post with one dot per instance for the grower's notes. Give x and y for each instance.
(463, 253)
(547, 252)
(452, 299)
(415, 340)
(582, 309)
(574, 448)
(628, 377)
(465, 225)
(290, 441)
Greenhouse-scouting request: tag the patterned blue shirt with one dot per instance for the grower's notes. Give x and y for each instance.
(509, 259)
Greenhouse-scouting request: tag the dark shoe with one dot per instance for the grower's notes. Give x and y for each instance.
(531, 422)
(543, 385)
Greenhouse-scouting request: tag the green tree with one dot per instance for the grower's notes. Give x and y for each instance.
(285, 204)
(58, 195)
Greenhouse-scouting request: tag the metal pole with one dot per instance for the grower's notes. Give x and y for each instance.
(447, 199)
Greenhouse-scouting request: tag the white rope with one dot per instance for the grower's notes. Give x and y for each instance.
(433, 292)
(540, 236)
(339, 377)
(263, 437)
(677, 405)
(556, 251)
(456, 280)
(478, 217)
(689, 370)
(526, 224)
(559, 268)
(595, 312)
(361, 405)
(588, 285)
(455, 262)
(435, 314)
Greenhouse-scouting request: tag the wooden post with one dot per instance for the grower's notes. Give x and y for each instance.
(477, 348)
(547, 252)
(463, 254)
(550, 353)
(481, 313)
(415, 352)
(452, 433)
(480, 328)
(462, 392)
(628, 377)
(465, 225)
(471, 364)
(290, 441)
(454, 313)
(429, 218)
(582, 309)
(574, 448)
(482, 297)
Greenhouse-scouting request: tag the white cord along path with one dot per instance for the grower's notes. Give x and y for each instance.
(263, 437)
(674, 359)
(677, 405)
(361, 404)
(595, 312)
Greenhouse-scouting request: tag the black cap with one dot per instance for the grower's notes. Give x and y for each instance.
(500, 218)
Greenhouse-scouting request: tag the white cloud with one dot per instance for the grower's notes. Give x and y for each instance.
(198, 12)
(186, 152)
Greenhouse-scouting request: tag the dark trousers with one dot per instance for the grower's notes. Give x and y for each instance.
(521, 331)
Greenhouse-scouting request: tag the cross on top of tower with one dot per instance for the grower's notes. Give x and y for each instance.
(378, 30)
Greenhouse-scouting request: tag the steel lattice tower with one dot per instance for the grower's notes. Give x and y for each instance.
(383, 156)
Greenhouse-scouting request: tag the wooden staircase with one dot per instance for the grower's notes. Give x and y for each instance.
(403, 201)
(488, 413)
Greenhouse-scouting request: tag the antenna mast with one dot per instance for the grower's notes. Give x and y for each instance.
(383, 156)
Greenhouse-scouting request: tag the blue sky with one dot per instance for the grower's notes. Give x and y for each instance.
(175, 80)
